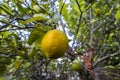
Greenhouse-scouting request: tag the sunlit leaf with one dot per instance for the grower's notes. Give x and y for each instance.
(36, 17)
(20, 8)
(6, 8)
(37, 33)
(5, 34)
(117, 15)
(63, 10)
(76, 8)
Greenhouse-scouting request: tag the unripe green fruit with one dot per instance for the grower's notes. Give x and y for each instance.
(76, 66)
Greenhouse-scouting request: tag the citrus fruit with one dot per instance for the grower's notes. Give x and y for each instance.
(76, 65)
(54, 44)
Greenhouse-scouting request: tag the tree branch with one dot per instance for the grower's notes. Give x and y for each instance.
(16, 29)
(104, 58)
(43, 63)
(9, 23)
(91, 29)
(6, 24)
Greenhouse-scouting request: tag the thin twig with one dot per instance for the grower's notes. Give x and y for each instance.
(104, 58)
(16, 29)
(62, 25)
(9, 23)
(41, 66)
(27, 5)
(88, 7)
(42, 8)
(114, 74)
(62, 7)
(109, 72)
(6, 11)
(79, 6)
(34, 72)
(6, 24)
(78, 24)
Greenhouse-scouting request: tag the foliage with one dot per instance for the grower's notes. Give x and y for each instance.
(93, 27)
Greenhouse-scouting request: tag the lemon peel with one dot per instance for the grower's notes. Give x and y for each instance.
(54, 44)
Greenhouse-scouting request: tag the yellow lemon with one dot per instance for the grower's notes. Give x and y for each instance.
(54, 44)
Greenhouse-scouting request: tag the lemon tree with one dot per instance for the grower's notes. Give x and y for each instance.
(54, 44)
(32, 48)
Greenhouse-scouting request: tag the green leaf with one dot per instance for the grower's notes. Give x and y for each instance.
(117, 15)
(33, 3)
(82, 4)
(110, 11)
(17, 64)
(37, 33)
(27, 64)
(20, 8)
(14, 1)
(36, 17)
(5, 34)
(6, 8)
(64, 10)
(76, 8)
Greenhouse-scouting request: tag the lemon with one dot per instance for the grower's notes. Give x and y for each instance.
(54, 44)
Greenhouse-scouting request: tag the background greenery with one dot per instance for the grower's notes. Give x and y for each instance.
(89, 24)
